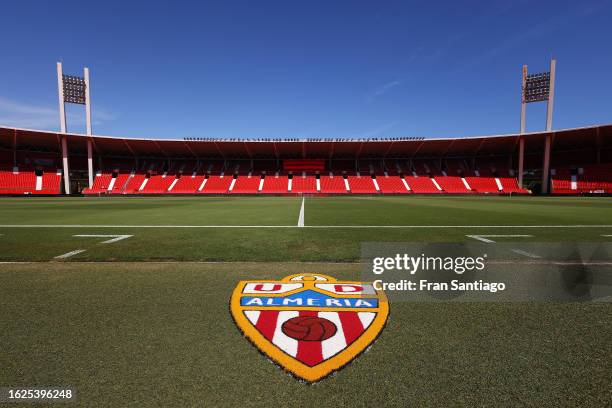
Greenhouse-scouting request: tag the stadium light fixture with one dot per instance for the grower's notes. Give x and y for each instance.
(74, 89)
(537, 87)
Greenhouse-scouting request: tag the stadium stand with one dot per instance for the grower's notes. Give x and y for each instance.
(304, 184)
(423, 185)
(246, 184)
(424, 167)
(298, 166)
(187, 183)
(101, 183)
(595, 179)
(20, 180)
(590, 179)
(158, 183)
(455, 167)
(452, 184)
(483, 184)
(12, 181)
(361, 185)
(133, 184)
(391, 185)
(331, 184)
(121, 180)
(510, 186)
(563, 182)
(581, 163)
(51, 182)
(216, 184)
(275, 184)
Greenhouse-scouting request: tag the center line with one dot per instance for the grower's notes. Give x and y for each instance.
(301, 217)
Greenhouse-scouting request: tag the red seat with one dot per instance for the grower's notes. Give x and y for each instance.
(187, 184)
(595, 178)
(452, 184)
(304, 184)
(100, 184)
(158, 184)
(361, 185)
(132, 186)
(483, 184)
(21, 182)
(332, 185)
(246, 185)
(510, 185)
(51, 183)
(275, 185)
(391, 185)
(422, 184)
(217, 184)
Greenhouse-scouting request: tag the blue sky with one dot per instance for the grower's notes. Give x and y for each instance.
(305, 69)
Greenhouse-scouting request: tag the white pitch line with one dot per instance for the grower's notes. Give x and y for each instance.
(295, 226)
(69, 254)
(110, 241)
(484, 238)
(525, 253)
(300, 223)
(480, 238)
(509, 262)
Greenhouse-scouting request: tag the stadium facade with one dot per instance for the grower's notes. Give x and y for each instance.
(571, 161)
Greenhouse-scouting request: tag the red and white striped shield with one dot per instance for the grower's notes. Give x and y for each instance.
(309, 324)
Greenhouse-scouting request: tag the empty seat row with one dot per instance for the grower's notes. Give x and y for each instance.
(589, 179)
(138, 183)
(29, 181)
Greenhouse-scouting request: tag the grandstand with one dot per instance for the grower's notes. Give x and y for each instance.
(32, 162)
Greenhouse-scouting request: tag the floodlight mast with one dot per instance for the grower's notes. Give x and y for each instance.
(551, 96)
(72, 89)
(89, 131)
(536, 88)
(60, 93)
(549, 117)
(521, 159)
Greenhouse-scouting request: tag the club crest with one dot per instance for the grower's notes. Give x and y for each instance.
(309, 324)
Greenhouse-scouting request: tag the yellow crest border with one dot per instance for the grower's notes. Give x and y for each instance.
(289, 363)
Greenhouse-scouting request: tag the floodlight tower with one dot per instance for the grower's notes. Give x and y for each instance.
(537, 88)
(74, 89)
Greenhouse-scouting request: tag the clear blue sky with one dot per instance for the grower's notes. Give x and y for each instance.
(305, 69)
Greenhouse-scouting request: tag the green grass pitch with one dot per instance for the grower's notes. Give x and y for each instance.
(144, 321)
(170, 228)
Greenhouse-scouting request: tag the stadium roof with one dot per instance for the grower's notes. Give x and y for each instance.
(567, 139)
